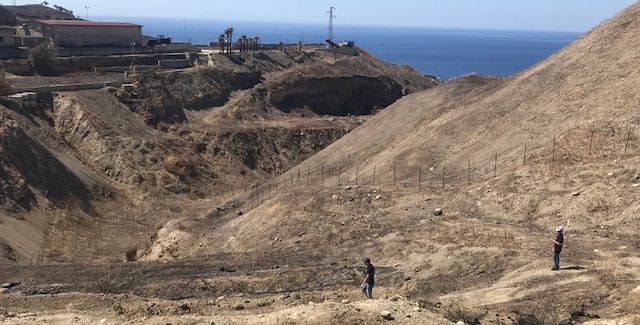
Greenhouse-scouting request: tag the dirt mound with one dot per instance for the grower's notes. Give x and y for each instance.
(26, 165)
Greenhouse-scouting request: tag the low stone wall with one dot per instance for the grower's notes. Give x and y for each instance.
(19, 67)
(91, 63)
(13, 53)
(349, 51)
(67, 87)
(174, 64)
(108, 51)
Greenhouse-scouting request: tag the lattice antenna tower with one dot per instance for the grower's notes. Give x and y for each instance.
(332, 17)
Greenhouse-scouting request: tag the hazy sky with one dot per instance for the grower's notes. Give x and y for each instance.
(560, 15)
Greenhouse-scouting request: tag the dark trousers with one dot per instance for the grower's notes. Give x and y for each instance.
(556, 259)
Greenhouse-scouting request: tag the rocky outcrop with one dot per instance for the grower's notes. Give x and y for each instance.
(163, 97)
(269, 83)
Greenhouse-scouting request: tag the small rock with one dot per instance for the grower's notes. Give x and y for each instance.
(9, 285)
(238, 307)
(460, 323)
(345, 302)
(311, 303)
(3, 290)
(348, 187)
(437, 212)
(334, 197)
(219, 299)
(377, 197)
(184, 309)
(610, 174)
(635, 185)
(386, 315)
(576, 193)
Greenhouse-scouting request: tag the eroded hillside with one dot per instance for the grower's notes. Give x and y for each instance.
(506, 159)
(101, 171)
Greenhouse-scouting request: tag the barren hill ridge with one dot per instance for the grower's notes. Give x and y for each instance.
(507, 159)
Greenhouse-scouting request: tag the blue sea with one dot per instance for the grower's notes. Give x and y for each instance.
(445, 53)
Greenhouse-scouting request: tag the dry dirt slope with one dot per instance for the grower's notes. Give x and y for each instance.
(100, 172)
(490, 252)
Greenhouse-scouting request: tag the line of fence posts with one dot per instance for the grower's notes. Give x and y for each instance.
(259, 195)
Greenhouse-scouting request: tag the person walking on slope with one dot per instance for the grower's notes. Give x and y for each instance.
(368, 281)
(558, 242)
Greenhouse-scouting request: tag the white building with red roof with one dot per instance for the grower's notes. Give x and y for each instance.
(81, 33)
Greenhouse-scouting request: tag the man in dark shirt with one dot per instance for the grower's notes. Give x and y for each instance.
(558, 242)
(369, 281)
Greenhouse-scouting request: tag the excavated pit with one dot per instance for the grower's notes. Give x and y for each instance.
(342, 96)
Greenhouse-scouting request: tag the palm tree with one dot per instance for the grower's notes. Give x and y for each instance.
(229, 33)
(245, 43)
(222, 42)
(256, 43)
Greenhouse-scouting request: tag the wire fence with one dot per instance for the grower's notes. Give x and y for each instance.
(563, 155)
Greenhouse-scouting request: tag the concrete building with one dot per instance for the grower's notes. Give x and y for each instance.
(7, 36)
(80, 33)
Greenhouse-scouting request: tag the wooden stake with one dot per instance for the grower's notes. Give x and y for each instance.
(524, 155)
(420, 178)
(394, 176)
(495, 166)
(357, 172)
(469, 173)
(322, 176)
(591, 142)
(340, 175)
(553, 153)
(374, 175)
(626, 143)
(444, 170)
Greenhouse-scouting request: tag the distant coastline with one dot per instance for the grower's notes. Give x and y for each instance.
(445, 53)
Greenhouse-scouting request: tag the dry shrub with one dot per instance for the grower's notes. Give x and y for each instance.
(163, 126)
(181, 166)
(41, 59)
(598, 204)
(109, 282)
(460, 313)
(131, 255)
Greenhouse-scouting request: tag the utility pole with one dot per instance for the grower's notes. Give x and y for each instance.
(87, 8)
(332, 16)
(185, 31)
